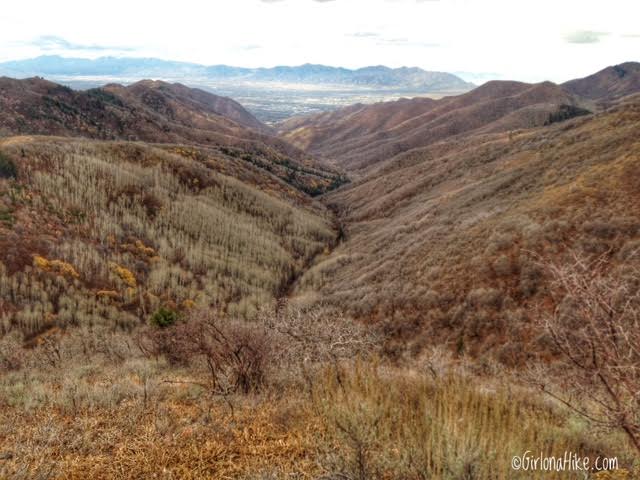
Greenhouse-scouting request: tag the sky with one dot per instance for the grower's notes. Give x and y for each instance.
(479, 39)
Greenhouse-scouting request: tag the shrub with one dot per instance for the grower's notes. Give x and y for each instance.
(164, 317)
(502, 266)
(7, 167)
(125, 275)
(233, 354)
(594, 326)
(56, 266)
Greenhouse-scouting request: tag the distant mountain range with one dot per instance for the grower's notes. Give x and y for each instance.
(416, 79)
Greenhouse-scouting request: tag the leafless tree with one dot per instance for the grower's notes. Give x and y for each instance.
(318, 335)
(595, 329)
(235, 354)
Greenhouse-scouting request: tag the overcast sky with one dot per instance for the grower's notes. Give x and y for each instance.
(525, 40)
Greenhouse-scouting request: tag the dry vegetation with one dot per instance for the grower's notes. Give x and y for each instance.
(108, 233)
(359, 137)
(442, 244)
(190, 312)
(155, 111)
(96, 403)
(595, 328)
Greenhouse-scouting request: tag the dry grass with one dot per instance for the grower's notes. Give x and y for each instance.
(141, 418)
(390, 423)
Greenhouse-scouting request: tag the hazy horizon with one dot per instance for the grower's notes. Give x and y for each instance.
(553, 41)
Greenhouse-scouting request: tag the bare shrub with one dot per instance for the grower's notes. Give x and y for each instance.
(317, 335)
(595, 328)
(11, 352)
(235, 354)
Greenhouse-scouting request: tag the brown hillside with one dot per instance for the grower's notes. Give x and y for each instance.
(180, 102)
(441, 242)
(151, 111)
(355, 141)
(608, 84)
(157, 112)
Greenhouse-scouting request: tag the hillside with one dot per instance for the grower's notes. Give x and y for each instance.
(355, 140)
(36, 105)
(183, 103)
(109, 67)
(184, 295)
(441, 242)
(608, 84)
(153, 111)
(97, 232)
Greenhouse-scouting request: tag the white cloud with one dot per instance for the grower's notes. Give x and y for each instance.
(515, 39)
(585, 36)
(49, 43)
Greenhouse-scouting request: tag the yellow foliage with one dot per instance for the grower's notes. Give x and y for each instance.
(188, 304)
(55, 266)
(41, 262)
(139, 247)
(144, 249)
(125, 275)
(621, 474)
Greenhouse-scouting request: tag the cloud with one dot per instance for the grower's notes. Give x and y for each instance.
(363, 35)
(405, 42)
(52, 42)
(585, 36)
(390, 41)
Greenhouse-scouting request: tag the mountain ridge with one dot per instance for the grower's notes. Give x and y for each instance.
(373, 76)
(155, 112)
(351, 137)
(611, 83)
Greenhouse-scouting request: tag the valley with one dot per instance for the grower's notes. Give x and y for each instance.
(271, 94)
(198, 287)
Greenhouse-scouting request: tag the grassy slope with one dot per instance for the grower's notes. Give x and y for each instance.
(138, 418)
(441, 242)
(108, 232)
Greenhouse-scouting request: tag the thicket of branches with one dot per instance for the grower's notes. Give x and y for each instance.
(595, 329)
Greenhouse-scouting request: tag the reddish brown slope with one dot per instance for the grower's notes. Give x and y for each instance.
(181, 101)
(353, 121)
(441, 242)
(147, 111)
(156, 112)
(356, 142)
(608, 84)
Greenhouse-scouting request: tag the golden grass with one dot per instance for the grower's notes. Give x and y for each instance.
(388, 423)
(143, 419)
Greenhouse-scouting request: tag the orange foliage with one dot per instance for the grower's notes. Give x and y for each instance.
(55, 266)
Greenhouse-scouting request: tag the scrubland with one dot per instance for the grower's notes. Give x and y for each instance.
(444, 244)
(99, 233)
(192, 312)
(320, 403)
